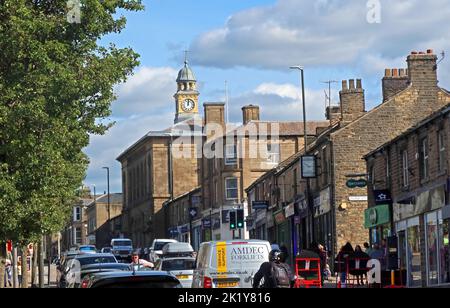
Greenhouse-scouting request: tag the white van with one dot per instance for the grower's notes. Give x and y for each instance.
(230, 264)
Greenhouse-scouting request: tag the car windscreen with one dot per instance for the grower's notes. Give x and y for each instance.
(160, 245)
(87, 249)
(122, 243)
(178, 265)
(95, 260)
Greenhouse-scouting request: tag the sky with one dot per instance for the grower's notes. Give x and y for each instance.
(250, 44)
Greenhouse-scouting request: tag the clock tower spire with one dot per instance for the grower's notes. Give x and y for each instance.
(186, 98)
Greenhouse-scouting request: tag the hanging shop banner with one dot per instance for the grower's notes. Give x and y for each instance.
(382, 197)
(279, 217)
(322, 203)
(289, 210)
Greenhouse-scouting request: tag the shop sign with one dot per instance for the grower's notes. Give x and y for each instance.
(289, 210)
(377, 215)
(270, 220)
(260, 205)
(357, 183)
(279, 217)
(206, 223)
(382, 197)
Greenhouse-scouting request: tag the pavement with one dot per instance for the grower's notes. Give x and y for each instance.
(52, 283)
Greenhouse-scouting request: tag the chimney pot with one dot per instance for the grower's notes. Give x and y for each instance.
(352, 84)
(395, 72)
(401, 72)
(430, 51)
(387, 73)
(421, 53)
(344, 85)
(414, 53)
(358, 84)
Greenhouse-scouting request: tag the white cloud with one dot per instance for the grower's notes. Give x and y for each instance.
(144, 103)
(146, 91)
(280, 102)
(322, 33)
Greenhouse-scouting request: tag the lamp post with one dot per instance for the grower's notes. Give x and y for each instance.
(305, 135)
(109, 201)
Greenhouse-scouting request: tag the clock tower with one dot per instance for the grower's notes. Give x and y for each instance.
(186, 98)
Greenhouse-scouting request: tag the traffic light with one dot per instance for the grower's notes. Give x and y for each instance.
(240, 219)
(232, 220)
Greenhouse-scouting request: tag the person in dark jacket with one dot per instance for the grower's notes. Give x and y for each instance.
(341, 265)
(269, 269)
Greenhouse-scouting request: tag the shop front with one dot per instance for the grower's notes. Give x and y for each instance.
(283, 233)
(422, 225)
(377, 220)
(196, 234)
(301, 223)
(322, 219)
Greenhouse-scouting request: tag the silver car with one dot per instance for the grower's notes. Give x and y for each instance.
(181, 267)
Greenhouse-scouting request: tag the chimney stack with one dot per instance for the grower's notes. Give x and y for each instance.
(394, 81)
(422, 69)
(214, 114)
(250, 113)
(352, 100)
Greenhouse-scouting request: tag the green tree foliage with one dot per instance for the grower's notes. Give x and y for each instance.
(56, 86)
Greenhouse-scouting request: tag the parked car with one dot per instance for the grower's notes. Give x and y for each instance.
(106, 250)
(178, 249)
(181, 267)
(156, 248)
(61, 266)
(122, 248)
(97, 268)
(139, 279)
(230, 264)
(87, 249)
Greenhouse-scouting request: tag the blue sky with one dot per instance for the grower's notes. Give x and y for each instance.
(251, 44)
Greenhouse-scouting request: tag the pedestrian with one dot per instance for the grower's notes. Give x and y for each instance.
(138, 263)
(284, 253)
(367, 248)
(323, 262)
(361, 271)
(378, 254)
(341, 265)
(19, 272)
(276, 274)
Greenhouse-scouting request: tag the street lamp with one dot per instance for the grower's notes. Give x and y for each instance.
(109, 202)
(305, 135)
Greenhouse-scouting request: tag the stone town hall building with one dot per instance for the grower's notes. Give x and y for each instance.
(150, 174)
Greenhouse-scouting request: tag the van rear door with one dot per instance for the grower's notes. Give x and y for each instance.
(235, 263)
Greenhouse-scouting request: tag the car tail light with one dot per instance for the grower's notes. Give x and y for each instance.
(207, 283)
(85, 284)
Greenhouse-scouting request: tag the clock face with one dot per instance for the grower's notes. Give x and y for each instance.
(188, 105)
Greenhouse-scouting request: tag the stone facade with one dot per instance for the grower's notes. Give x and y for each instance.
(339, 151)
(99, 227)
(414, 168)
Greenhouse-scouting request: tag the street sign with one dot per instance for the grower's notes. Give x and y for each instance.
(260, 205)
(357, 198)
(354, 183)
(9, 246)
(193, 212)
